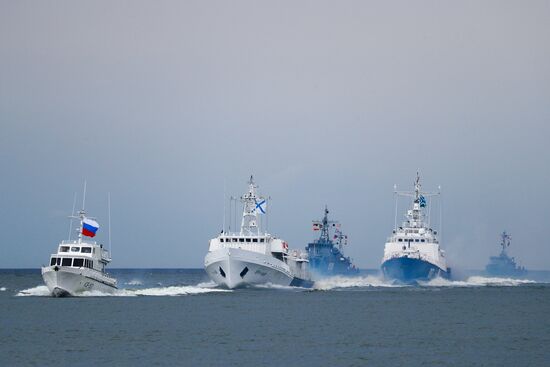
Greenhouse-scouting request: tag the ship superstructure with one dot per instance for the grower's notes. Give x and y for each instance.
(326, 253)
(79, 265)
(253, 256)
(504, 265)
(413, 251)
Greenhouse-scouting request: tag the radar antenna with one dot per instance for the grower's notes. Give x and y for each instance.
(505, 242)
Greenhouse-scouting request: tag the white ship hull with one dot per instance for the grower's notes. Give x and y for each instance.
(68, 281)
(235, 268)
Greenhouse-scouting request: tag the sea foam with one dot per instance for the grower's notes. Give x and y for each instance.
(38, 291)
(42, 290)
(336, 282)
(476, 281)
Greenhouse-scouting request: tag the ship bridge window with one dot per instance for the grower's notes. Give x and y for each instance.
(75, 249)
(66, 261)
(234, 240)
(78, 263)
(254, 240)
(241, 239)
(248, 240)
(58, 261)
(262, 239)
(422, 240)
(221, 240)
(400, 240)
(86, 250)
(417, 240)
(64, 249)
(53, 261)
(277, 255)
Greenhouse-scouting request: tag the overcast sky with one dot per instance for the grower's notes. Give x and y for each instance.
(325, 102)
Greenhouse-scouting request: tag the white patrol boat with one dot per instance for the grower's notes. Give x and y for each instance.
(413, 251)
(79, 265)
(253, 257)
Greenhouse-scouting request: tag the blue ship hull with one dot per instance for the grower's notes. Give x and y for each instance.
(409, 270)
(304, 283)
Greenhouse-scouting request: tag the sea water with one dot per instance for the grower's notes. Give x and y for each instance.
(163, 317)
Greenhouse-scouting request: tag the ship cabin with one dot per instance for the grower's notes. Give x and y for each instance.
(262, 244)
(410, 236)
(419, 241)
(81, 255)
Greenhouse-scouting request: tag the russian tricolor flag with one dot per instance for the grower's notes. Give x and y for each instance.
(89, 227)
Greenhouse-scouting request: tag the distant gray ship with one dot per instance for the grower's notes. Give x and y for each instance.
(504, 265)
(326, 254)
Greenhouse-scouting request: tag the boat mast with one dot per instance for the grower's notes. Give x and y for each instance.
(415, 216)
(505, 241)
(249, 223)
(81, 214)
(71, 217)
(395, 213)
(109, 217)
(223, 226)
(324, 228)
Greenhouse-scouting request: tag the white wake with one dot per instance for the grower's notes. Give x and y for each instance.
(275, 286)
(39, 291)
(338, 282)
(476, 281)
(42, 290)
(134, 282)
(209, 284)
(353, 282)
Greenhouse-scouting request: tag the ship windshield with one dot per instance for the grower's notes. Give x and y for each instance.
(86, 250)
(78, 263)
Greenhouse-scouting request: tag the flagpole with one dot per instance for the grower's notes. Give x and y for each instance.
(395, 213)
(430, 214)
(235, 216)
(230, 209)
(440, 216)
(82, 214)
(268, 200)
(72, 215)
(109, 220)
(224, 204)
(84, 196)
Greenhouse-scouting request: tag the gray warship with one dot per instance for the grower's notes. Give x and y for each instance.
(325, 254)
(504, 265)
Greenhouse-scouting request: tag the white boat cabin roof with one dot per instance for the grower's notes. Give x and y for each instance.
(83, 249)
